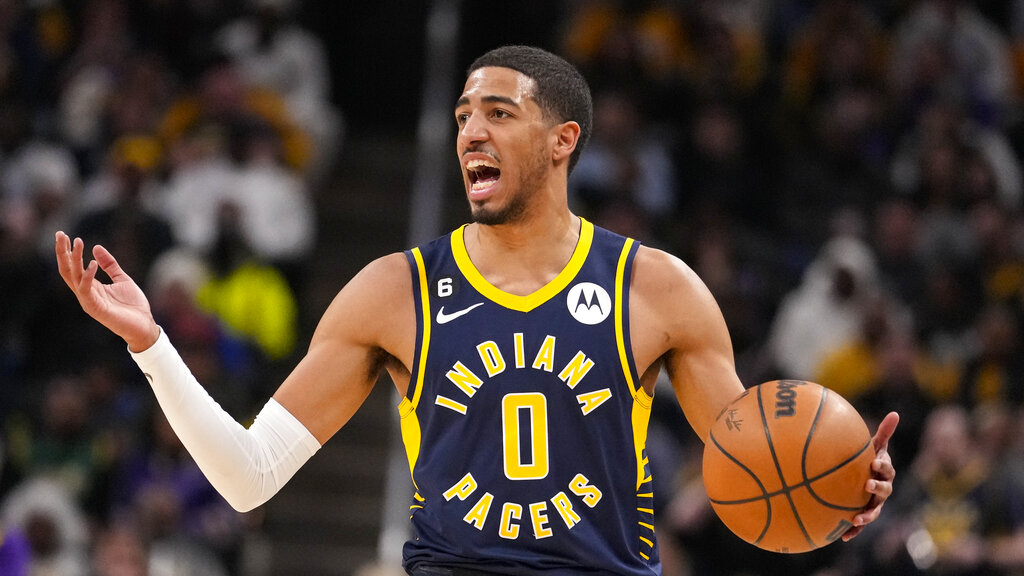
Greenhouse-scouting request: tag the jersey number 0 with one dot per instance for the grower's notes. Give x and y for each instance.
(524, 422)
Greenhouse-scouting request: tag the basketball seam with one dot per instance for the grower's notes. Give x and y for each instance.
(791, 488)
(786, 489)
(766, 496)
(803, 463)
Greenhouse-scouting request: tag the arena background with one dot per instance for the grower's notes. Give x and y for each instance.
(844, 175)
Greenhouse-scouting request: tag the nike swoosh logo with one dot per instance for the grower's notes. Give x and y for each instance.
(443, 318)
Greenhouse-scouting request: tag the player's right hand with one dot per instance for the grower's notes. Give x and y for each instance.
(120, 306)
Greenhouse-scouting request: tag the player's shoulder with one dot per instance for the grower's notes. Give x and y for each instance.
(376, 301)
(664, 283)
(667, 295)
(658, 270)
(379, 281)
(391, 266)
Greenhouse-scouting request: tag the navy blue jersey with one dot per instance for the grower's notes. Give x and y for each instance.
(525, 421)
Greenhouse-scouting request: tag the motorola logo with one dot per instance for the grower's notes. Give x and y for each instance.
(589, 303)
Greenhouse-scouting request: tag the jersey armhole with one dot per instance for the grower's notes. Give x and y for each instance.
(623, 274)
(421, 299)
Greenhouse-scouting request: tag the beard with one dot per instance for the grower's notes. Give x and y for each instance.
(515, 207)
(510, 213)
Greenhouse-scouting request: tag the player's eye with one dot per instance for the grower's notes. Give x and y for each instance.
(501, 114)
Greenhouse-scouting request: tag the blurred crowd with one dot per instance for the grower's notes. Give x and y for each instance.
(844, 175)
(188, 138)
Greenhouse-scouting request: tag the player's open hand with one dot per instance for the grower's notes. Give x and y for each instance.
(120, 306)
(882, 474)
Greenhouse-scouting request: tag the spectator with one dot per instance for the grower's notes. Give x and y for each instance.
(826, 311)
(170, 551)
(94, 72)
(953, 508)
(987, 167)
(947, 47)
(221, 101)
(277, 216)
(626, 161)
(729, 39)
(854, 368)
(132, 166)
(273, 52)
(840, 44)
(242, 282)
(38, 185)
(202, 175)
(163, 486)
(56, 529)
(995, 371)
(276, 209)
(102, 103)
(119, 551)
(224, 360)
(1000, 257)
(128, 225)
(944, 313)
(740, 274)
(728, 175)
(904, 377)
(841, 166)
(895, 241)
(642, 46)
(65, 446)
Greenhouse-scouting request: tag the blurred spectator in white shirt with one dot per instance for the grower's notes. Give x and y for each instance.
(276, 53)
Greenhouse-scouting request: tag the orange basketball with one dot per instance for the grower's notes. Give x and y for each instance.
(786, 465)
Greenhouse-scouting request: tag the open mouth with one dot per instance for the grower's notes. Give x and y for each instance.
(482, 174)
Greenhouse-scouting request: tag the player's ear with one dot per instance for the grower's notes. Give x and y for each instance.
(566, 135)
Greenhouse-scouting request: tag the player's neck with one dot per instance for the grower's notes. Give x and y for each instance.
(522, 257)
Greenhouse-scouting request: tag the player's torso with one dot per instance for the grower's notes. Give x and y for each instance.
(524, 421)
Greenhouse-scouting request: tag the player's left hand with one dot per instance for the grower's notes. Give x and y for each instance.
(882, 474)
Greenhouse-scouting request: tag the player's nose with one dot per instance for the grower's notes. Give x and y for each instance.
(474, 129)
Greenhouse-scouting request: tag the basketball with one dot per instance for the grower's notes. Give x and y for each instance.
(786, 464)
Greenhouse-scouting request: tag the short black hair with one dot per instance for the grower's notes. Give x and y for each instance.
(562, 92)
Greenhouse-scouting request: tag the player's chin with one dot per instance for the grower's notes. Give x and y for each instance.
(483, 215)
(488, 213)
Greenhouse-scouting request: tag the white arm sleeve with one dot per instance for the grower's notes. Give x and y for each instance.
(247, 467)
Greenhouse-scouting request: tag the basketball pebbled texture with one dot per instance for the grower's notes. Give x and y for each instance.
(786, 464)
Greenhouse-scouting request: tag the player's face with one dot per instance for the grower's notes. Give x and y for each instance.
(502, 144)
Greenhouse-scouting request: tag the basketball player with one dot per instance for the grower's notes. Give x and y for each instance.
(525, 346)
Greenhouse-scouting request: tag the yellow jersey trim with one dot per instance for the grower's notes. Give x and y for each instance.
(641, 416)
(530, 301)
(620, 335)
(421, 271)
(412, 435)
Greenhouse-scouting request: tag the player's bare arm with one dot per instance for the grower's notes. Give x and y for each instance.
(369, 326)
(675, 320)
(676, 323)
